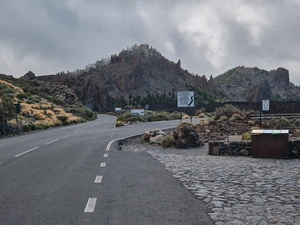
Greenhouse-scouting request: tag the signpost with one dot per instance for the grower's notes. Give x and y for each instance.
(18, 110)
(137, 112)
(185, 99)
(146, 107)
(265, 107)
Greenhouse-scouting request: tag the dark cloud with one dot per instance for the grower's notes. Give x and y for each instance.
(208, 36)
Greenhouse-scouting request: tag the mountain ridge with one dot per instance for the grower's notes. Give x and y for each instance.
(141, 75)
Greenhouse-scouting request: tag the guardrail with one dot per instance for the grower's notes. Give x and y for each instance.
(275, 116)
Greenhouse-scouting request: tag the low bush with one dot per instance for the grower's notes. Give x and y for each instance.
(183, 124)
(167, 141)
(119, 123)
(159, 116)
(38, 115)
(223, 119)
(227, 110)
(63, 119)
(235, 117)
(246, 136)
(175, 115)
(22, 95)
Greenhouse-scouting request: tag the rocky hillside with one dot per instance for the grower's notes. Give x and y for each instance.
(42, 105)
(140, 75)
(254, 84)
(135, 76)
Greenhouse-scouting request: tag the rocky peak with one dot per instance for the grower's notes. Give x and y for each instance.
(29, 76)
(280, 78)
(259, 92)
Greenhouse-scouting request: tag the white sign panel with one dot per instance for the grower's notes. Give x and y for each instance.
(118, 110)
(137, 112)
(265, 105)
(185, 99)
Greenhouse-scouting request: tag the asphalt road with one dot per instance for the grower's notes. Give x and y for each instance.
(77, 175)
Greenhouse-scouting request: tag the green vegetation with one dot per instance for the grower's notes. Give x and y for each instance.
(168, 141)
(151, 117)
(228, 111)
(39, 110)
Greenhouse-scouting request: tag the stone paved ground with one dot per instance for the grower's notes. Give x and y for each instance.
(239, 190)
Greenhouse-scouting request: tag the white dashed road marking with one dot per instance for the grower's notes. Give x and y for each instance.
(30, 150)
(66, 136)
(90, 206)
(103, 164)
(98, 179)
(105, 155)
(52, 142)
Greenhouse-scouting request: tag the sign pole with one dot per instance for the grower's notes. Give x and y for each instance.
(259, 119)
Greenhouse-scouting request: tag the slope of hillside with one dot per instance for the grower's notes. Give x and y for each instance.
(38, 110)
(254, 84)
(135, 74)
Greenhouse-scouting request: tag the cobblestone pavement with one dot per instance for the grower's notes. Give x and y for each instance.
(239, 190)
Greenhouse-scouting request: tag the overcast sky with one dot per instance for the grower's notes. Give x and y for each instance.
(208, 36)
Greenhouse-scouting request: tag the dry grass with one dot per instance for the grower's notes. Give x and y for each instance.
(50, 113)
(58, 111)
(15, 88)
(185, 116)
(38, 115)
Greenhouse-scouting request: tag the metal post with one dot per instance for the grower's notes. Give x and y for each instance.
(17, 123)
(260, 119)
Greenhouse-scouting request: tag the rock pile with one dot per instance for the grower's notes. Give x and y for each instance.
(154, 136)
(182, 137)
(186, 136)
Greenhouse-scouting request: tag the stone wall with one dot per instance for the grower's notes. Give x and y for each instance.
(229, 148)
(243, 148)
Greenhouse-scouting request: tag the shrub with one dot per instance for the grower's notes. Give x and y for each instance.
(49, 113)
(124, 116)
(26, 127)
(284, 123)
(63, 119)
(246, 136)
(42, 126)
(223, 119)
(235, 117)
(30, 101)
(38, 115)
(22, 95)
(158, 116)
(119, 123)
(175, 115)
(201, 115)
(185, 116)
(227, 110)
(251, 122)
(167, 141)
(183, 124)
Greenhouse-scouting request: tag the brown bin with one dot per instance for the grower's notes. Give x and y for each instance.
(270, 143)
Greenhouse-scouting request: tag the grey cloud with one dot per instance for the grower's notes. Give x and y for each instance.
(209, 38)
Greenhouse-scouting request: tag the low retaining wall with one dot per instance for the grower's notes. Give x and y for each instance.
(243, 148)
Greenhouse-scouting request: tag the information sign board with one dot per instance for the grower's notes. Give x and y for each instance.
(265, 105)
(185, 99)
(137, 112)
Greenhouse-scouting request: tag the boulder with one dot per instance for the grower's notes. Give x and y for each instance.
(156, 139)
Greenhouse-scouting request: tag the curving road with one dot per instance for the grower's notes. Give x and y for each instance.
(77, 175)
